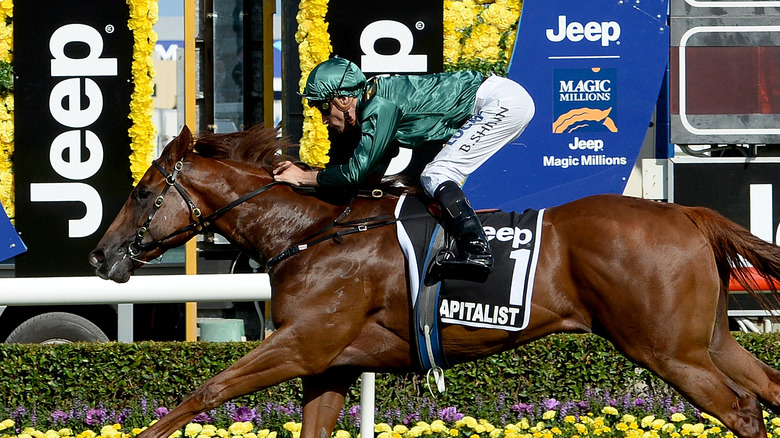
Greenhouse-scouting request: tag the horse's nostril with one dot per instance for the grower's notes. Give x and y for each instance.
(97, 258)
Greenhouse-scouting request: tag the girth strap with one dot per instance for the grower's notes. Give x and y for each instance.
(350, 227)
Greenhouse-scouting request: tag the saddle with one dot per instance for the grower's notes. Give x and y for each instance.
(502, 302)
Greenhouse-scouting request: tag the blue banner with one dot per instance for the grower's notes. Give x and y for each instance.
(594, 70)
(10, 243)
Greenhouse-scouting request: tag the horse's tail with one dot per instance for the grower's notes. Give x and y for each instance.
(736, 249)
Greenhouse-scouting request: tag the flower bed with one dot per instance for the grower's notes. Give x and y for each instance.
(597, 416)
(82, 388)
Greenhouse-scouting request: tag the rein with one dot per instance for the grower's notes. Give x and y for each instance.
(196, 218)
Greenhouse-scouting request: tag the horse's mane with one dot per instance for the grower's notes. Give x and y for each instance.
(258, 146)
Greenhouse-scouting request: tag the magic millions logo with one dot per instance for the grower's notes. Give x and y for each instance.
(585, 100)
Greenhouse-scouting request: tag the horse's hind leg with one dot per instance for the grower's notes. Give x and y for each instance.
(690, 370)
(323, 398)
(677, 349)
(740, 365)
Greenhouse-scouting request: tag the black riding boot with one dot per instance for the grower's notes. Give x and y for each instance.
(474, 260)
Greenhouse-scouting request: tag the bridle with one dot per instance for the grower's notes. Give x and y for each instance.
(197, 221)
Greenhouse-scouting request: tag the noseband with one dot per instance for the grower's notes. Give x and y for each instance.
(197, 221)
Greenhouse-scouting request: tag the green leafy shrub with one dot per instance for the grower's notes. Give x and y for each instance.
(563, 367)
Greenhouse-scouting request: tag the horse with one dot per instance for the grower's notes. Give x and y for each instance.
(627, 269)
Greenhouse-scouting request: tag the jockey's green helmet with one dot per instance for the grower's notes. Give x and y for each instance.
(332, 78)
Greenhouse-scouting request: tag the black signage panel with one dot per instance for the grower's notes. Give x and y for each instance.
(745, 191)
(394, 36)
(72, 93)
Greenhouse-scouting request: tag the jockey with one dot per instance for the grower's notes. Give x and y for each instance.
(471, 115)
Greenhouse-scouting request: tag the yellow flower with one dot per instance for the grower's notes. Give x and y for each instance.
(292, 426)
(500, 16)
(382, 427)
(192, 429)
(711, 419)
(438, 426)
(400, 429)
(677, 417)
(341, 434)
(470, 422)
(483, 43)
(240, 428)
(416, 431)
(549, 415)
(609, 410)
(668, 428)
(657, 424)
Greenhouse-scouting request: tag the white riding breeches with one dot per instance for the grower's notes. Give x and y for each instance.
(501, 112)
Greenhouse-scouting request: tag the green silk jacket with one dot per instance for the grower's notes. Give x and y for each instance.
(405, 111)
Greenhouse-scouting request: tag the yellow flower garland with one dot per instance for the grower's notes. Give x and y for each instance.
(143, 16)
(475, 31)
(313, 48)
(6, 112)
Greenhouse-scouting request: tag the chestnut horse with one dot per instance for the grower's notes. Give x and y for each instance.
(650, 277)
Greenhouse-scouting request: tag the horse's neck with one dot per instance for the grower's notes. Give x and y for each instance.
(271, 221)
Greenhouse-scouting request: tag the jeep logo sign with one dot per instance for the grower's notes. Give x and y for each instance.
(373, 61)
(402, 36)
(72, 147)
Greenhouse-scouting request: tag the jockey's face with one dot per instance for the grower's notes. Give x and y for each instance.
(341, 116)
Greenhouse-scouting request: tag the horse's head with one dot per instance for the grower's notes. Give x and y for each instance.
(156, 216)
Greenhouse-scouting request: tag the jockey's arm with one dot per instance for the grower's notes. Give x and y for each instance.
(288, 172)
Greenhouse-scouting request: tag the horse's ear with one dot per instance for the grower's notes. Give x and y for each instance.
(179, 145)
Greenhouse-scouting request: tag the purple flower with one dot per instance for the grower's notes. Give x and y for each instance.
(161, 412)
(411, 418)
(450, 414)
(551, 404)
(19, 413)
(244, 414)
(58, 416)
(202, 418)
(95, 417)
(522, 408)
(354, 411)
(120, 417)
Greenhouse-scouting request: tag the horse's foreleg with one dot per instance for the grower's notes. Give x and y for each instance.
(274, 361)
(323, 398)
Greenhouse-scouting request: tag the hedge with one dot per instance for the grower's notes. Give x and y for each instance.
(564, 367)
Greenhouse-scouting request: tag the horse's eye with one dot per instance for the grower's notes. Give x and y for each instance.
(142, 193)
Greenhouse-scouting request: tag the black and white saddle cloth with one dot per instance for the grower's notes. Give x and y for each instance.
(503, 301)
